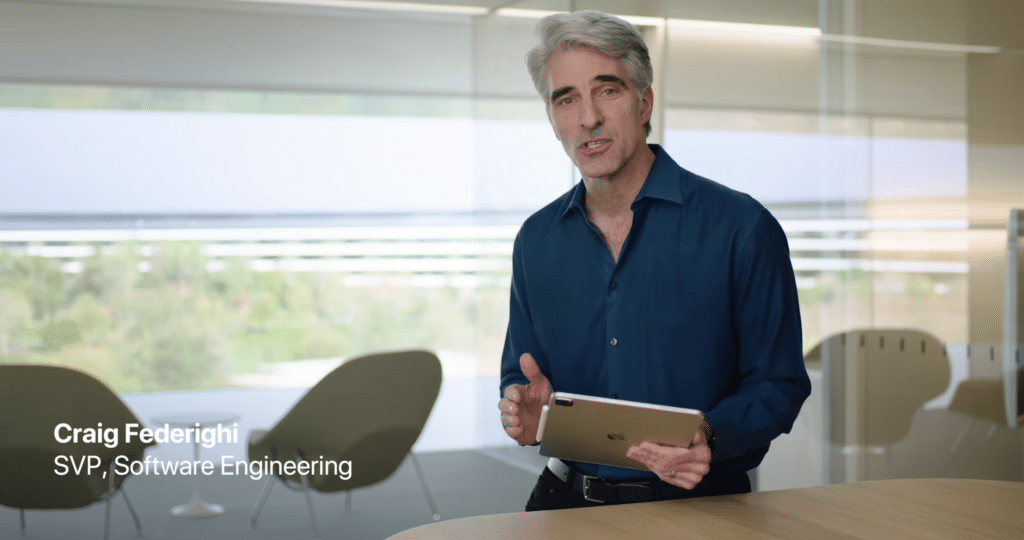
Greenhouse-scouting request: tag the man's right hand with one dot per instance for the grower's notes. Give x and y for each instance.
(521, 406)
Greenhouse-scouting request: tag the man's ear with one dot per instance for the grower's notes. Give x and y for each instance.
(647, 105)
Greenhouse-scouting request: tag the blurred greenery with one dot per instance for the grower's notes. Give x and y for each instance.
(85, 97)
(155, 317)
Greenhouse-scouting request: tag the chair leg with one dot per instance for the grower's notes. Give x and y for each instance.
(111, 491)
(109, 496)
(309, 499)
(271, 479)
(106, 523)
(426, 490)
(131, 509)
(22, 512)
(960, 438)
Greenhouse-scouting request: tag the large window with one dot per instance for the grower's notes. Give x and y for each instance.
(249, 193)
(884, 248)
(178, 239)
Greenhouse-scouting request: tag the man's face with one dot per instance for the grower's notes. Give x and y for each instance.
(596, 111)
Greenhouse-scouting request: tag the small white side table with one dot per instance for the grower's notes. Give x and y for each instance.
(197, 507)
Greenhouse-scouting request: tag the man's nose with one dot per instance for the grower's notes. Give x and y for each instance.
(590, 114)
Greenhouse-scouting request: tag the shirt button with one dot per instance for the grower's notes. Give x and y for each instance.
(613, 286)
(614, 342)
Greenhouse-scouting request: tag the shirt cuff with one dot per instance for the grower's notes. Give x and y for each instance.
(722, 428)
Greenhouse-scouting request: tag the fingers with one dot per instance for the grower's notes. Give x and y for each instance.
(699, 438)
(512, 428)
(531, 370)
(522, 404)
(535, 394)
(509, 407)
(513, 393)
(511, 420)
(682, 467)
(686, 480)
(648, 458)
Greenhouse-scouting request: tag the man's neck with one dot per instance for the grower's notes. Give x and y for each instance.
(614, 195)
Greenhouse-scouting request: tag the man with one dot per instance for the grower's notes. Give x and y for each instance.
(645, 283)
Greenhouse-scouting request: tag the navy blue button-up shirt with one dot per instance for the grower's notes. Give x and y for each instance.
(700, 311)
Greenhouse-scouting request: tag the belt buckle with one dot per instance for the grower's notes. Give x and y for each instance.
(586, 488)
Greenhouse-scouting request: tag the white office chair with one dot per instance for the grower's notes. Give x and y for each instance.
(877, 380)
(369, 411)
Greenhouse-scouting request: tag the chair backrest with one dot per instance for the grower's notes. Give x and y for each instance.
(878, 379)
(34, 400)
(368, 411)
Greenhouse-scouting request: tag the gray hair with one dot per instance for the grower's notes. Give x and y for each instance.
(606, 33)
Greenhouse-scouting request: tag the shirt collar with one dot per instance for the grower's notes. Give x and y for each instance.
(659, 183)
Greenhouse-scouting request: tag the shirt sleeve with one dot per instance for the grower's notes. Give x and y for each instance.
(772, 378)
(519, 337)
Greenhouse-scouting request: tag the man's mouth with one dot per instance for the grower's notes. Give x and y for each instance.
(594, 145)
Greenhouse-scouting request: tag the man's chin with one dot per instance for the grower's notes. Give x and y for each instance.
(602, 171)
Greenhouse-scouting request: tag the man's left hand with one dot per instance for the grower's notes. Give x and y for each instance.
(682, 467)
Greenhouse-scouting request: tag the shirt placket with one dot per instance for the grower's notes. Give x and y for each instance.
(613, 328)
(617, 338)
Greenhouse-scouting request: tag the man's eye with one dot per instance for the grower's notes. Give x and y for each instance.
(565, 101)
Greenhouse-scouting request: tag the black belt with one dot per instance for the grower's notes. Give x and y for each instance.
(597, 489)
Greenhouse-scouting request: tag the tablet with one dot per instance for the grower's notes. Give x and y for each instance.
(600, 430)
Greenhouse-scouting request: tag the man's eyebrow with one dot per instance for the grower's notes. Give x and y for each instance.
(615, 79)
(560, 92)
(612, 79)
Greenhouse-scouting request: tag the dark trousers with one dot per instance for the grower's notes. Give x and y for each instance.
(551, 493)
